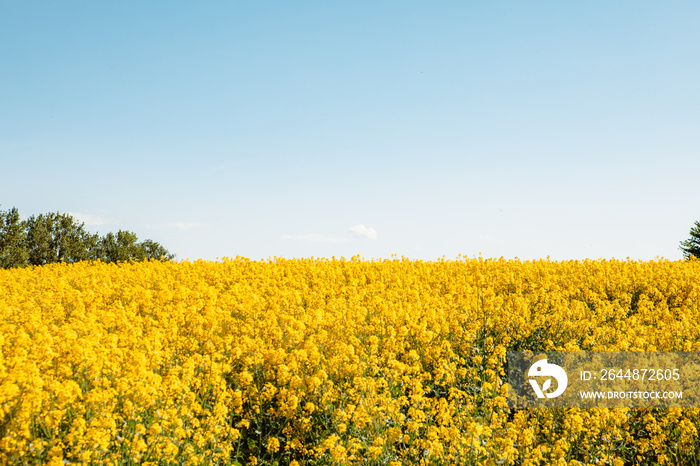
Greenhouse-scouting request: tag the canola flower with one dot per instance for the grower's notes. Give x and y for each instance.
(327, 361)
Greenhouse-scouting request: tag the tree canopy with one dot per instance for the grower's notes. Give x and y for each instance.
(691, 246)
(56, 237)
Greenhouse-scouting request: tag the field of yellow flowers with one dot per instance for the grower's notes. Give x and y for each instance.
(329, 361)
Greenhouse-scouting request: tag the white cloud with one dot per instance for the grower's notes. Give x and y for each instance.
(364, 232)
(359, 231)
(186, 225)
(316, 238)
(91, 220)
(491, 239)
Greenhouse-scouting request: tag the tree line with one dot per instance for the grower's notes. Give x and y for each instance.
(56, 237)
(691, 246)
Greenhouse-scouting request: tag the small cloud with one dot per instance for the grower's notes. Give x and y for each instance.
(364, 232)
(91, 220)
(491, 239)
(186, 225)
(316, 238)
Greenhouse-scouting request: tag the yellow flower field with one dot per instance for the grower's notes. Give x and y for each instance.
(320, 361)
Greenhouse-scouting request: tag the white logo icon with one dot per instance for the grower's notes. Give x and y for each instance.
(542, 369)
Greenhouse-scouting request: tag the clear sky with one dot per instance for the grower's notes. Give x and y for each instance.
(316, 128)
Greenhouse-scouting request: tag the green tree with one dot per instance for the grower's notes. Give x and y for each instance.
(691, 246)
(56, 237)
(156, 251)
(124, 246)
(13, 251)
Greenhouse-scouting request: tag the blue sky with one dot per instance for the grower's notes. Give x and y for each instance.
(297, 129)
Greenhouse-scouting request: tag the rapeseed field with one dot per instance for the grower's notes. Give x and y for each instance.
(329, 361)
